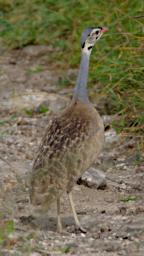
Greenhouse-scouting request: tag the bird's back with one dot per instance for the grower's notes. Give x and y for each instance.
(70, 145)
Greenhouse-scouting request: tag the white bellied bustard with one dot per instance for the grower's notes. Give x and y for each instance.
(72, 141)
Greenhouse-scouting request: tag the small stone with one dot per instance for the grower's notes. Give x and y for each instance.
(83, 235)
(108, 119)
(111, 136)
(35, 254)
(93, 178)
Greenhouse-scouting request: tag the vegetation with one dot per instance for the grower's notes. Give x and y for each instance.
(6, 228)
(117, 62)
(128, 199)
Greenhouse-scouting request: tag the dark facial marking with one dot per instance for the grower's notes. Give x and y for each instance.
(90, 47)
(83, 45)
(97, 32)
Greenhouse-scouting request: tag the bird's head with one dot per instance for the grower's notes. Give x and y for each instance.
(90, 36)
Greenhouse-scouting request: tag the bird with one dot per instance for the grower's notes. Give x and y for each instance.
(72, 141)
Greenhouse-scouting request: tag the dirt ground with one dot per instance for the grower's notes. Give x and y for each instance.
(113, 217)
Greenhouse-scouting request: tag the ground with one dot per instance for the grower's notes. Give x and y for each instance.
(113, 217)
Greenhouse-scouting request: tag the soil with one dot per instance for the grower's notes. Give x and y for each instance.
(113, 216)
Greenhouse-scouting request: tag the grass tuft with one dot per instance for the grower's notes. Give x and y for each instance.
(117, 61)
(129, 199)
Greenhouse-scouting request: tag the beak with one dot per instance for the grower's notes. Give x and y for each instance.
(104, 29)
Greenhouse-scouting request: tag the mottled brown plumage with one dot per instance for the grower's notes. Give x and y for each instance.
(70, 145)
(72, 142)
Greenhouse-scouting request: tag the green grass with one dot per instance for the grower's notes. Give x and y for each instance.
(66, 249)
(6, 228)
(41, 110)
(129, 199)
(29, 111)
(117, 61)
(35, 69)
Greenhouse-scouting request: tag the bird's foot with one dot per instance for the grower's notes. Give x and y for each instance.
(59, 229)
(81, 229)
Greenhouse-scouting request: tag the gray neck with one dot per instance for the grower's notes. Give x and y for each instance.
(80, 91)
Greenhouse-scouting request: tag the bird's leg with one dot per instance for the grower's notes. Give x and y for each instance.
(59, 224)
(78, 225)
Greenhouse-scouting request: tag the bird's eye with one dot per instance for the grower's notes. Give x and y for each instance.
(97, 32)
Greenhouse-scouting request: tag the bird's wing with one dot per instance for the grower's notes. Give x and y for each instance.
(61, 134)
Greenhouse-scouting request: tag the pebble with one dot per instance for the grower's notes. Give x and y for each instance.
(111, 136)
(93, 178)
(35, 254)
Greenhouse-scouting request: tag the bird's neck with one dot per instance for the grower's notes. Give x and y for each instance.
(80, 91)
